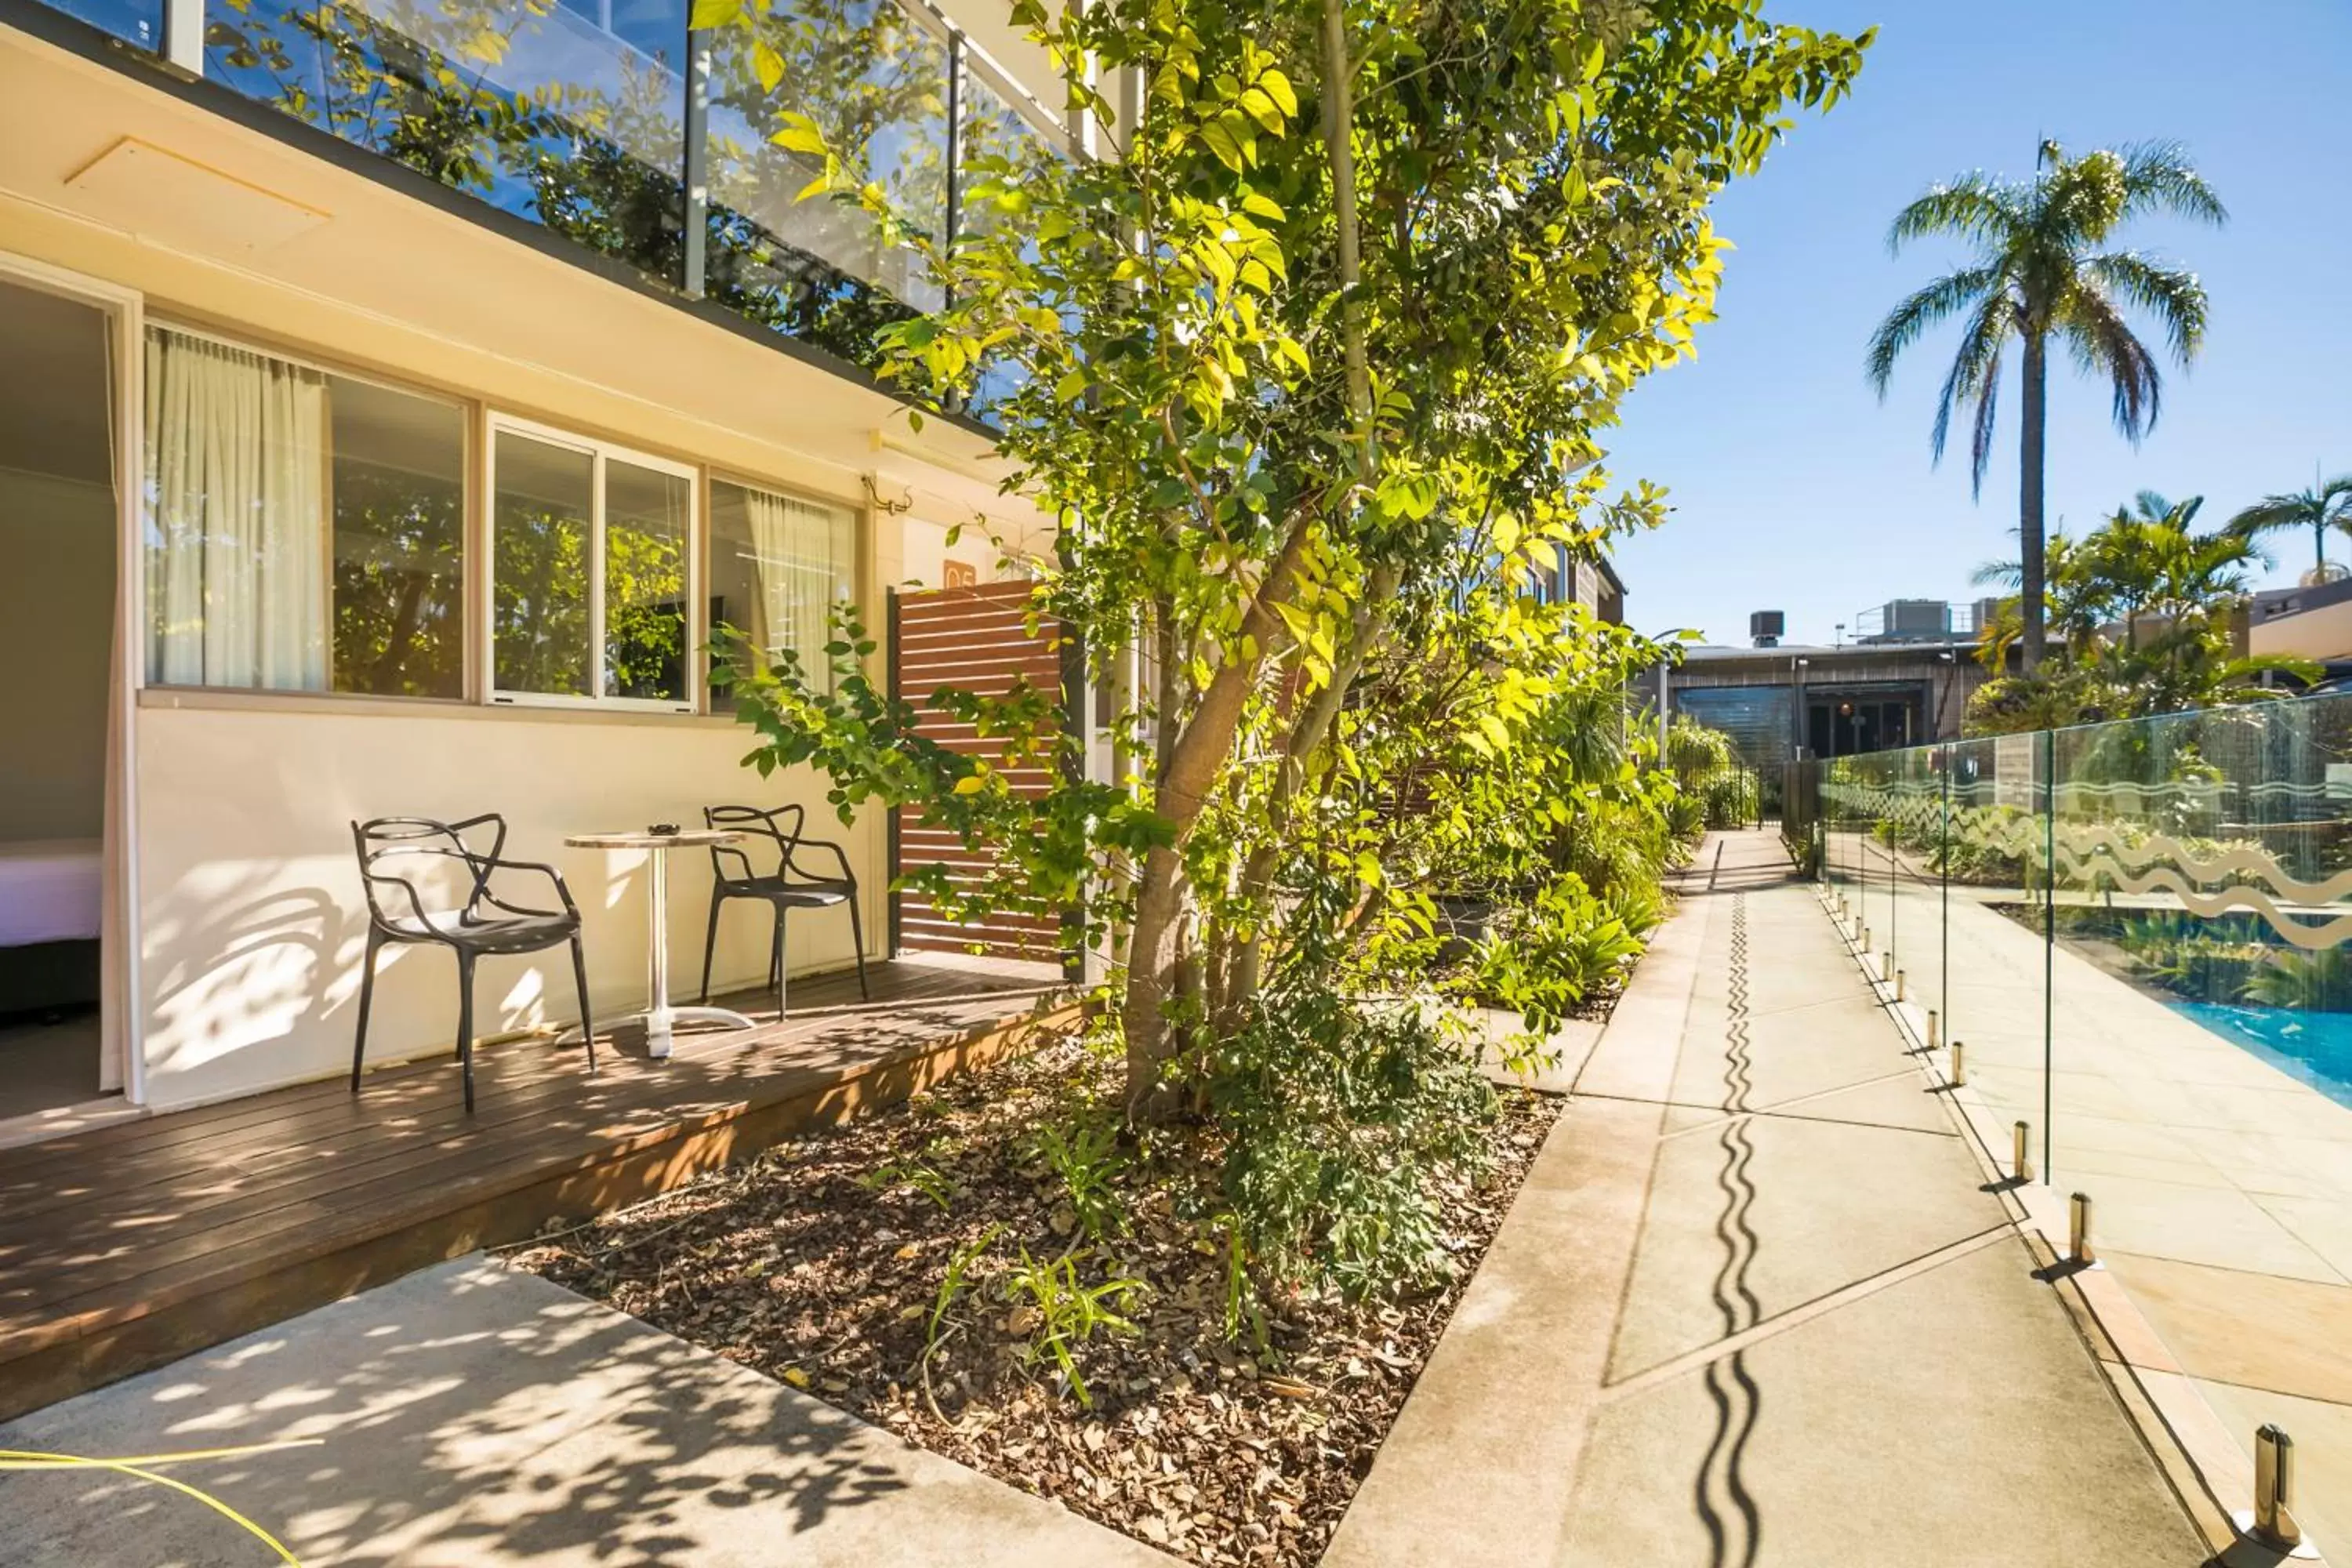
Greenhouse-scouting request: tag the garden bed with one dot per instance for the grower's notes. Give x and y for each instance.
(824, 1262)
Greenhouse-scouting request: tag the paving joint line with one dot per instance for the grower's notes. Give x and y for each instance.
(1806, 1312)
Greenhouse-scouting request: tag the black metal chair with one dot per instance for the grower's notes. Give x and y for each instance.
(735, 875)
(485, 925)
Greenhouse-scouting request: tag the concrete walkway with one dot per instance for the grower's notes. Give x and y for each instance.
(1759, 1303)
(470, 1417)
(2222, 1183)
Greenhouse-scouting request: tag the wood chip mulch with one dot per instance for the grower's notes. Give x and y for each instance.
(822, 1261)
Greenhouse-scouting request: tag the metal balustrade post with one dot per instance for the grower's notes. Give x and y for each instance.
(184, 34)
(696, 217)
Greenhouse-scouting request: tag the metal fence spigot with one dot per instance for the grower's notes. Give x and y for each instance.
(2275, 1525)
(2079, 1249)
(2020, 1136)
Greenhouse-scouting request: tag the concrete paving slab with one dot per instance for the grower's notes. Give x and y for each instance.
(2250, 1329)
(1833, 1205)
(1562, 1055)
(1828, 1344)
(1951, 1420)
(471, 1417)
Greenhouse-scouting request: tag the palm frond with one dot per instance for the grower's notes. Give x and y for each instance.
(2102, 345)
(1945, 297)
(2172, 295)
(2273, 513)
(1976, 208)
(1975, 378)
(2158, 177)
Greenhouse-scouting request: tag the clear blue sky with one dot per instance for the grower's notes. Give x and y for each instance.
(1795, 489)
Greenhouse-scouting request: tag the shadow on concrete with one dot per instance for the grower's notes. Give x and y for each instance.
(468, 1414)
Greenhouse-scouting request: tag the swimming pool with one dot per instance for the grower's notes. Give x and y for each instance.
(2314, 1047)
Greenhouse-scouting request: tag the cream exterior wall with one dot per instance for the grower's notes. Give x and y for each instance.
(249, 922)
(2322, 634)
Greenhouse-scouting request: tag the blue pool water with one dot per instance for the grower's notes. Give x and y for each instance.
(2315, 1048)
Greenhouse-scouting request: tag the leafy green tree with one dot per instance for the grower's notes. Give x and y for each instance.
(2041, 275)
(2147, 613)
(1309, 377)
(2327, 504)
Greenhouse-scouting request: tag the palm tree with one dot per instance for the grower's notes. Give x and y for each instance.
(2322, 507)
(2040, 275)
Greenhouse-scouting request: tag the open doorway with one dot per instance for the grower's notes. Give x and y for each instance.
(59, 528)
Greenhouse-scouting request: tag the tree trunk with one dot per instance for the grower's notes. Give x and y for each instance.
(1310, 729)
(2032, 589)
(1196, 756)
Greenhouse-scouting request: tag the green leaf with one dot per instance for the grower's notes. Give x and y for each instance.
(768, 62)
(797, 132)
(1221, 142)
(1277, 87)
(1260, 107)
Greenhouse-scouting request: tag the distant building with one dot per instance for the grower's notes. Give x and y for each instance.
(2312, 621)
(1904, 681)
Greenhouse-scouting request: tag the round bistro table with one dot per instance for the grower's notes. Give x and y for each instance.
(659, 1017)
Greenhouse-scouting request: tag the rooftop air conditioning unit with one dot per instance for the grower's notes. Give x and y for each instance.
(1766, 627)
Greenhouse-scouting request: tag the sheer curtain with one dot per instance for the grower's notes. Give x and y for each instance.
(236, 522)
(802, 553)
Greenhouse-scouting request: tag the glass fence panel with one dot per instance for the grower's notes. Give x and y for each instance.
(1837, 831)
(140, 22)
(1914, 833)
(571, 116)
(2202, 1038)
(873, 80)
(1000, 154)
(1994, 894)
(2137, 934)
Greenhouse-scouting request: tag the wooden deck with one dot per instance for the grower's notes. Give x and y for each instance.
(132, 1244)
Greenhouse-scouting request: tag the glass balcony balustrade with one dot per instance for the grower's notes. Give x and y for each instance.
(610, 124)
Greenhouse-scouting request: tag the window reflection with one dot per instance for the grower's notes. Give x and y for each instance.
(569, 120)
(645, 582)
(540, 523)
(874, 80)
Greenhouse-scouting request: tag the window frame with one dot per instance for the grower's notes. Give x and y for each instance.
(861, 557)
(471, 459)
(601, 452)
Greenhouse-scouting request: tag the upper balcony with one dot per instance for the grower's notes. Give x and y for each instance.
(613, 127)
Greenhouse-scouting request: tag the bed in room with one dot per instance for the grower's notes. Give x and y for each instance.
(51, 912)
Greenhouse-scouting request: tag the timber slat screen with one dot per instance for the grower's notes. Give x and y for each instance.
(978, 640)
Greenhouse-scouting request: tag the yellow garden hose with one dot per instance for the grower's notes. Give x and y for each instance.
(139, 1468)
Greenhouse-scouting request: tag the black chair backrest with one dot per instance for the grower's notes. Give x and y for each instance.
(781, 826)
(389, 838)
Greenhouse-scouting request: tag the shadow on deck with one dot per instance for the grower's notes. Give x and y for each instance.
(136, 1243)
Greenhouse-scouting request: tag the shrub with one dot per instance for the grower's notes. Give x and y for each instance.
(1337, 1119)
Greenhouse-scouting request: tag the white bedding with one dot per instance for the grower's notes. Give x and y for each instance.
(50, 890)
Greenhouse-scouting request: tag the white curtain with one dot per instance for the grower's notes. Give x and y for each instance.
(236, 522)
(800, 554)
